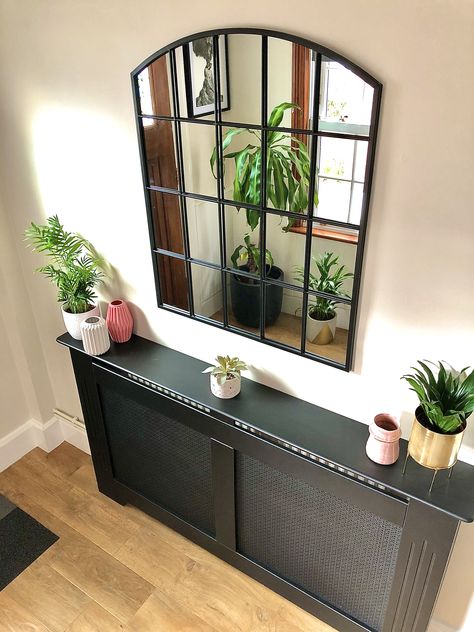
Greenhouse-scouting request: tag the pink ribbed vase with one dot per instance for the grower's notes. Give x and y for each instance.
(119, 321)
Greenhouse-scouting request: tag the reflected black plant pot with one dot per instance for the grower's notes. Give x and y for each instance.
(245, 298)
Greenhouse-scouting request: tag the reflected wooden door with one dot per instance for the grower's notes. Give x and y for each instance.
(161, 159)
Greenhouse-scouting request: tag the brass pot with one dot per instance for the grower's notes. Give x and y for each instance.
(433, 449)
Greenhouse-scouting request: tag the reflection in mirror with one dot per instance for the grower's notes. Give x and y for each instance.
(198, 142)
(207, 292)
(173, 282)
(345, 100)
(160, 153)
(154, 88)
(167, 225)
(242, 75)
(208, 219)
(341, 174)
(286, 249)
(203, 230)
(290, 78)
(286, 329)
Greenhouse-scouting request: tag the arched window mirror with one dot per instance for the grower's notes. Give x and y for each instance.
(274, 253)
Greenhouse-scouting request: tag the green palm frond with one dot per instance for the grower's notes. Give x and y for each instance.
(75, 266)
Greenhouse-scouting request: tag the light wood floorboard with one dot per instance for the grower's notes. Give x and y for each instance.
(115, 568)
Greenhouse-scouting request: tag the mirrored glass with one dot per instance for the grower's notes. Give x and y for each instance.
(242, 154)
(332, 268)
(203, 230)
(167, 225)
(173, 282)
(155, 89)
(198, 143)
(160, 153)
(345, 100)
(242, 241)
(196, 78)
(285, 249)
(207, 292)
(290, 81)
(241, 79)
(243, 297)
(285, 306)
(328, 338)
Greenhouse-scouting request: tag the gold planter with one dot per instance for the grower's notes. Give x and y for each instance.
(433, 449)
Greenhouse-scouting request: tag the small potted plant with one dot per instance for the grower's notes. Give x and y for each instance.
(225, 376)
(75, 268)
(446, 399)
(321, 320)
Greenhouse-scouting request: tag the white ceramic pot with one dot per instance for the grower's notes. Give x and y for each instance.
(95, 336)
(320, 332)
(73, 321)
(229, 389)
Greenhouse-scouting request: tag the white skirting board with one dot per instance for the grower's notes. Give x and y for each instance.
(34, 434)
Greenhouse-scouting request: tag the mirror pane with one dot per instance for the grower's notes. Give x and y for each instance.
(345, 100)
(241, 79)
(242, 241)
(241, 150)
(285, 306)
(243, 303)
(196, 78)
(155, 88)
(328, 339)
(167, 225)
(207, 292)
(332, 267)
(285, 248)
(290, 79)
(173, 282)
(160, 153)
(288, 172)
(198, 142)
(203, 230)
(341, 173)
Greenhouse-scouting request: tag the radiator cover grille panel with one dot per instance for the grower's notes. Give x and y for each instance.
(161, 458)
(340, 553)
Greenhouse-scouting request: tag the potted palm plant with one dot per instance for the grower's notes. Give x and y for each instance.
(446, 399)
(287, 184)
(75, 268)
(225, 376)
(322, 317)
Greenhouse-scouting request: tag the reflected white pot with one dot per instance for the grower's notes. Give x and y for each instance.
(229, 389)
(73, 321)
(320, 332)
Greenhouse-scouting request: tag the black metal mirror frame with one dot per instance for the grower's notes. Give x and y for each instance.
(221, 201)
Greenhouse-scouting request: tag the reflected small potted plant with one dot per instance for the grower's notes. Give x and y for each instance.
(446, 399)
(225, 378)
(322, 316)
(75, 268)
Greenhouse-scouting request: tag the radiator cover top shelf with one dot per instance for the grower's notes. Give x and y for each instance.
(307, 428)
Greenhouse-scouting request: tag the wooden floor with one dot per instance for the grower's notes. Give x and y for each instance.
(114, 568)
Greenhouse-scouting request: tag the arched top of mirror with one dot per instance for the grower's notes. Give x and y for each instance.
(295, 230)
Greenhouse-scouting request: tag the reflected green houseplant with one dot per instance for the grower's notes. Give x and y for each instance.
(321, 323)
(287, 178)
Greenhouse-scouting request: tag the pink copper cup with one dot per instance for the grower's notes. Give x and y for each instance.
(383, 445)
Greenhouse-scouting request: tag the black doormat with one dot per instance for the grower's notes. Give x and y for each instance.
(22, 540)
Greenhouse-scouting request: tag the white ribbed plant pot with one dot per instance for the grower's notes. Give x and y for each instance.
(229, 389)
(73, 321)
(320, 332)
(95, 335)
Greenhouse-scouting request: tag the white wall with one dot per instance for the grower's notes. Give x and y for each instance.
(69, 146)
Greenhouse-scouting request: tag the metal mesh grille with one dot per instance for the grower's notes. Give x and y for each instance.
(162, 459)
(342, 554)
